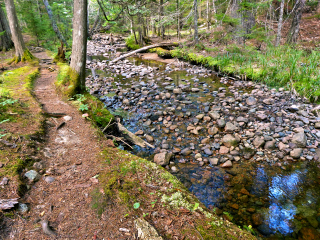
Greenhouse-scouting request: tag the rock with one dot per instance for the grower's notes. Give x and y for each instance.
(227, 164)
(149, 138)
(200, 116)
(317, 125)
(38, 165)
(177, 91)
(235, 206)
(257, 219)
(195, 89)
(186, 152)
(49, 179)
(296, 153)
(300, 140)
(23, 208)
(163, 158)
(229, 140)
(214, 161)
(208, 151)
(223, 150)
(221, 123)
(213, 131)
(282, 146)
(174, 169)
(268, 101)
(139, 132)
(32, 175)
(4, 181)
(230, 127)
(265, 230)
(214, 115)
(242, 119)
(251, 101)
(270, 145)
(126, 101)
(258, 142)
(198, 155)
(313, 221)
(145, 230)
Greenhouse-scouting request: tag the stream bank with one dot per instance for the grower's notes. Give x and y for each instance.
(240, 147)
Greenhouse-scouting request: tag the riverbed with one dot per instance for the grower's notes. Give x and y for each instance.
(248, 152)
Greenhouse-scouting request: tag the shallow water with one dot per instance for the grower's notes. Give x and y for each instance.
(279, 202)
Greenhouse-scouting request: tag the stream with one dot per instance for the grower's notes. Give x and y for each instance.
(247, 152)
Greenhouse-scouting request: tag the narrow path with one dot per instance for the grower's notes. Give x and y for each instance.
(62, 196)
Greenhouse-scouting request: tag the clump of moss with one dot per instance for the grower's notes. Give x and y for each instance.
(131, 42)
(161, 52)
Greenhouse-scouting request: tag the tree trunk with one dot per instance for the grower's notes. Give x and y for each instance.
(208, 15)
(178, 20)
(295, 25)
(234, 12)
(5, 40)
(22, 53)
(248, 21)
(195, 9)
(95, 24)
(280, 24)
(318, 7)
(144, 49)
(79, 47)
(214, 10)
(53, 23)
(161, 13)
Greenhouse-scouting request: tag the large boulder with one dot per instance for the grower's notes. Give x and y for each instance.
(229, 140)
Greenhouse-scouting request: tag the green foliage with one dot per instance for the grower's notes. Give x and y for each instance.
(131, 42)
(136, 205)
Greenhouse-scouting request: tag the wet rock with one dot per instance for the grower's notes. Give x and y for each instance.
(258, 142)
(227, 164)
(300, 140)
(235, 206)
(32, 175)
(208, 151)
(221, 123)
(162, 158)
(147, 123)
(296, 153)
(313, 221)
(229, 140)
(257, 219)
(174, 169)
(265, 230)
(139, 132)
(251, 101)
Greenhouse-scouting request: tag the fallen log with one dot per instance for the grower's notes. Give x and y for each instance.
(144, 49)
(132, 137)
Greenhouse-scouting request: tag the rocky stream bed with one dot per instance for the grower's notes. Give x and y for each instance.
(248, 152)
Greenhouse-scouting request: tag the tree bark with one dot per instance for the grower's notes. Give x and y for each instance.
(54, 24)
(144, 49)
(5, 40)
(79, 45)
(214, 10)
(161, 13)
(22, 53)
(195, 9)
(178, 20)
(293, 33)
(280, 24)
(208, 15)
(95, 24)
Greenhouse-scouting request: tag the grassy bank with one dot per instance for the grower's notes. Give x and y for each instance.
(20, 127)
(283, 66)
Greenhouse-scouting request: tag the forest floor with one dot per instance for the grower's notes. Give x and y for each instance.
(72, 183)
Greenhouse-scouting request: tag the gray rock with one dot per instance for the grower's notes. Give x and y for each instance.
(251, 101)
(300, 140)
(32, 175)
(317, 125)
(177, 91)
(162, 158)
(149, 138)
(23, 208)
(145, 230)
(221, 123)
(49, 179)
(296, 153)
(208, 151)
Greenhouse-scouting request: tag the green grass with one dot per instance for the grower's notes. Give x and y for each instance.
(131, 43)
(277, 67)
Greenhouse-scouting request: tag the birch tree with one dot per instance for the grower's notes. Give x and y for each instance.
(295, 25)
(280, 24)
